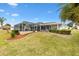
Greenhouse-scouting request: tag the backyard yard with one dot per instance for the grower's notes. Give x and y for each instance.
(41, 44)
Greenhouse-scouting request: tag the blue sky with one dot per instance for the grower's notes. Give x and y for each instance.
(32, 12)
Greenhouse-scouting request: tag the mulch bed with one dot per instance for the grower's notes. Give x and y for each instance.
(18, 36)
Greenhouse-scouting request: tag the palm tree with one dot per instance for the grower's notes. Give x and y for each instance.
(2, 19)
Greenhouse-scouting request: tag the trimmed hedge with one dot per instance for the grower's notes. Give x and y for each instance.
(54, 31)
(14, 33)
(61, 31)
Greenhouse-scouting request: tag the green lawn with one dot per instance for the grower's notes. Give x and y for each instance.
(4, 34)
(41, 43)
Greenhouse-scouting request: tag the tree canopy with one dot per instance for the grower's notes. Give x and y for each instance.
(7, 26)
(70, 12)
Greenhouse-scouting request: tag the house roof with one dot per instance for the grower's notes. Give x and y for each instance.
(39, 23)
(48, 23)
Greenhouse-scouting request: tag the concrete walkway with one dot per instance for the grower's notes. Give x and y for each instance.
(25, 32)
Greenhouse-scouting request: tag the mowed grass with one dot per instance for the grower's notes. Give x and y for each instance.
(42, 44)
(4, 34)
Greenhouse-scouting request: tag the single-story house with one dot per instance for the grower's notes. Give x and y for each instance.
(29, 26)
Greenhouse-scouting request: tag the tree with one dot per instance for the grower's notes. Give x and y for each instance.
(7, 27)
(70, 12)
(2, 19)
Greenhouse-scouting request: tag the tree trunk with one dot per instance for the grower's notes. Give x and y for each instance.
(8, 30)
(1, 25)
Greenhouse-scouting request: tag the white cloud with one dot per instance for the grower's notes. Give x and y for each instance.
(15, 14)
(49, 11)
(2, 10)
(13, 4)
(36, 18)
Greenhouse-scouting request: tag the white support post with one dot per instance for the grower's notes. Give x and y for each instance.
(18, 27)
(22, 27)
(57, 26)
(36, 28)
(40, 28)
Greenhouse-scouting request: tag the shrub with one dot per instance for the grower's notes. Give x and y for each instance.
(17, 32)
(61, 31)
(14, 33)
(64, 31)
